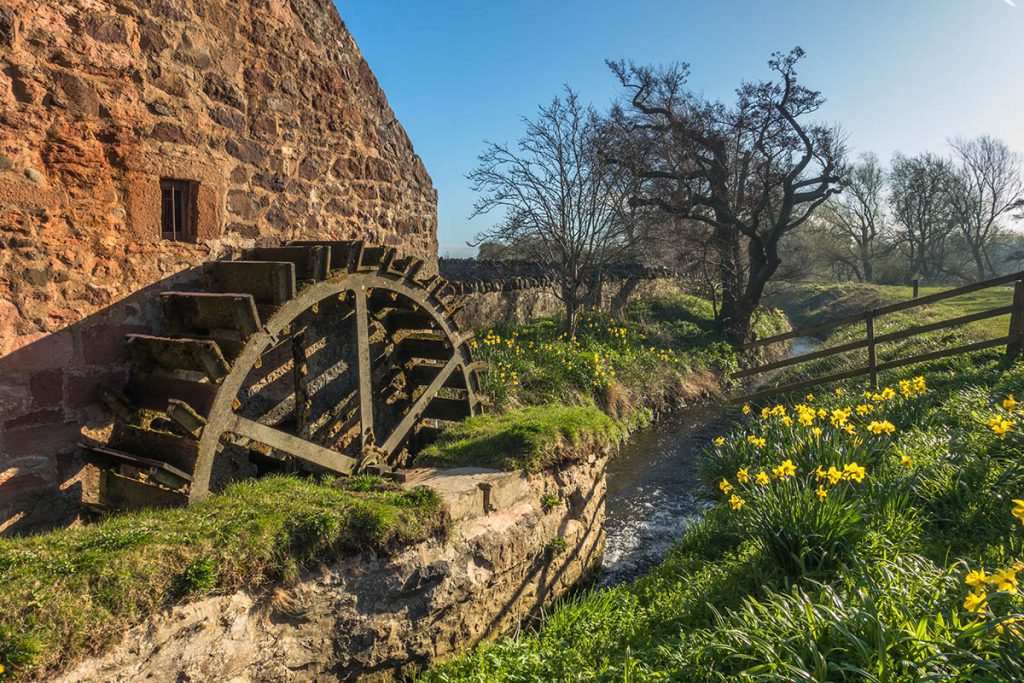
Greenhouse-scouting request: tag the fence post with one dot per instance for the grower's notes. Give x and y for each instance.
(1016, 332)
(870, 320)
(917, 283)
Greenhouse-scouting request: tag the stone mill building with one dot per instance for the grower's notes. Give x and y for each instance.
(140, 139)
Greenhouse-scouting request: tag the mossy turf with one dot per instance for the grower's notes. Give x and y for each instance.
(524, 438)
(71, 592)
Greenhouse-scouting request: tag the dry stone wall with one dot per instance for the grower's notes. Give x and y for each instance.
(263, 111)
(515, 292)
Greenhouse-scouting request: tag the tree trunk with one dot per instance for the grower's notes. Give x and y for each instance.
(570, 297)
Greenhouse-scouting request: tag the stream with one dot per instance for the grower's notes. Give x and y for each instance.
(653, 490)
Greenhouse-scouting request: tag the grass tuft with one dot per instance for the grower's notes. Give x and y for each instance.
(69, 593)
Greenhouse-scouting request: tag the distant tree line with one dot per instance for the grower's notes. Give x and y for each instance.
(929, 217)
(737, 195)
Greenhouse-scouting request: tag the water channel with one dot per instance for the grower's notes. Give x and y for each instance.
(653, 490)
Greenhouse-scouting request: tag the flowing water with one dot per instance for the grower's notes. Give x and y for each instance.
(653, 491)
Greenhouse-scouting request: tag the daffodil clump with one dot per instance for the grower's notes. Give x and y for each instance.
(537, 363)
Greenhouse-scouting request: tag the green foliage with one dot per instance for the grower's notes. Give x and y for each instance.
(867, 582)
(806, 536)
(71, 592)
(550, 501)
(647, 353)
(524, 438)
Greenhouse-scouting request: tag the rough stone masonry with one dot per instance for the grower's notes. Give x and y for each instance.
(140, 138)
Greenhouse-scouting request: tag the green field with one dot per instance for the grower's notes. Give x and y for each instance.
(807, 303)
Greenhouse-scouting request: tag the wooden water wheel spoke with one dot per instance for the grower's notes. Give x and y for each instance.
(293, 445)
(365, 369)
(417, 408)
(302, 355)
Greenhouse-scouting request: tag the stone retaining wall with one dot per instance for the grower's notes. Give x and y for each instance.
(377, 618)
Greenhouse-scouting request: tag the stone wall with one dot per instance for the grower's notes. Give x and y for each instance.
(377, 618)
(515, 292)
(264, 110)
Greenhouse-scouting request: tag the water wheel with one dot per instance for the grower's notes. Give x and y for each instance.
(327, 356)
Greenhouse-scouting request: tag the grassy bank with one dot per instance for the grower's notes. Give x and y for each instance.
(553, 396)
(807, 303)
(69, 593)
(885, 546)
(657, 354)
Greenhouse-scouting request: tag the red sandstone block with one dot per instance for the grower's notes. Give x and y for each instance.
(42, 440)
(36, 417)
(26, 475)
(47, 387)
(104, 344)
(14, 397)
(39, 352)
(85, 390)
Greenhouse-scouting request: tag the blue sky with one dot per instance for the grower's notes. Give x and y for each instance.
(898, 74)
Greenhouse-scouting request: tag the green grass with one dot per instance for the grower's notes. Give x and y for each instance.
(809, 303)
(72, 592)
(644, 361)
(867, 584)
(529, 438)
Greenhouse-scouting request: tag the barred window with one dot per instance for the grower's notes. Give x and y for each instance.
(176, 210)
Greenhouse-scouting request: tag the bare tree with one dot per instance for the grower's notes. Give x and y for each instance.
(565, 207)
(988, 185)
(857, 219)
(752, 172)
(920, 195)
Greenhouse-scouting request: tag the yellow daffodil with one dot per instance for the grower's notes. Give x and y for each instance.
(883, 427)
(1018, 510)
(725, 486)
(787, 468)
(810, 397)
(906, 460)
(977, 579)
(746, 410)
(854, 472)
(865, 409)
(820, 473)
(821, 493)
(765, 413)
(1012, 624)
(761, 479)
(1009, 403)
(1001, 427)
(839, 391)
(974, 602)
(720, 441)
(743, 475)
(736, 502)
(787, 420)
(834, 475)
(1004, 579)
(757, 441)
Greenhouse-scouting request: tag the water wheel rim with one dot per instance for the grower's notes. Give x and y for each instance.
(223, 419)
